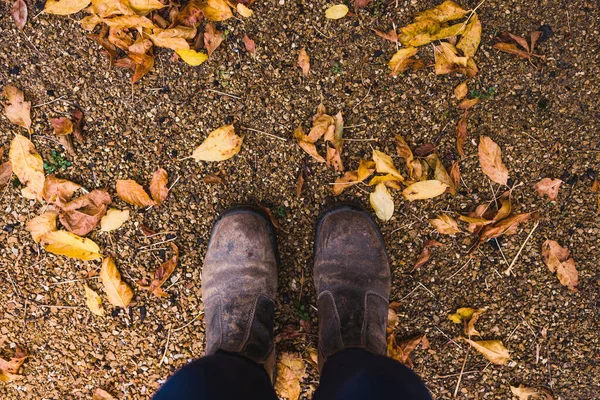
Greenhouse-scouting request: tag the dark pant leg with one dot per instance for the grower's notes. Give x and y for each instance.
(357, 374)
(222, 376)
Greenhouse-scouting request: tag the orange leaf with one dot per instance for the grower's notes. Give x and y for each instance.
(558, 260)
(133, 193)
(490, 158)
(304, 61)
(158, 186)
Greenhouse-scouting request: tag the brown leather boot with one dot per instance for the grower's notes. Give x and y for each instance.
(352, 277)
(239, 284)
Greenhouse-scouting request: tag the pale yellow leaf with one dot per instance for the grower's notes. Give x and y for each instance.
(143, 7)
(291, 370)
(493, 350)
(336, 12)
(27, 165)
(65, 7)
(221, 144)
(376, 180)
(192, 57)
(118, 292)
(385, 165)
(216, 10)
(93, 301)
(18, 111)
(445, 225)
(244, 11)
(424, 190)
(41, 225)
(113, 219)
(71, 245)
(133, 193)
(490, 159)
(382, 202)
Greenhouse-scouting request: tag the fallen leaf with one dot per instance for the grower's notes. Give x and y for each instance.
(461, 135)
(113, 219)
(158, 186)
(27, 165)
(18, 111)
(304, 61)
(58, 191)
(470, 38)
(172, 38)
(306, 143)
(493, 350)
(526, 393)
(445, 225)
(216, 10)
(461, 91)
(192, 57)
(19, 13)
(212, 37)
(299, 183)
(244, 11)
(468, 103)
(558, 259)
(336, 12)
(382, 202)
(93, 301)
(221, 144)
(291, 370)
(548, 187)
(361, 3)
(213, 179)
(163, 273)
(385, 165)
(447, 61)
(83, 214)
(100, 394)
(376, 180)
(65, 7)
(447, 11)
(455, 174)
(348, 179)
(143, 7)
(490, 159)
(401, 351)
(461, 314)
(250, 45)
(365, 169)
(41, 225)
(507, 226)
(5, 173)
(439, 172)
(71, 245)
(10, 369)
(425, 253)
(424, 190)
(61, 126)
(118, 292)
(402, 60)
(470, 327)
(133, 193)
(392, 36)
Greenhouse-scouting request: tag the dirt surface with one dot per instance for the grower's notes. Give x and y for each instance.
(546, 121)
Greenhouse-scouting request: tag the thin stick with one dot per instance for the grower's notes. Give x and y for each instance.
(425, 287)
(361, 140)
(173, 184)
(74, 280)
(461, 372)
(461, 268)
(49, 102)
(501, 252)
(509, 269)
(157, 243)
(355, 126)
(166, 346)
(53, 306)
(453, 375)
(448, 337)
(186, 325)
(411, 292)
(265, 133)
(159, 233)
(363, 99)
(224, 94)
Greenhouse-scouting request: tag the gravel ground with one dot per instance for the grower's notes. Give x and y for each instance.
(545, 120)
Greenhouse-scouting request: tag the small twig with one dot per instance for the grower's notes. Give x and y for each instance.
(361, 140)
(224, 94)
(189, 323)
(449, 338)
(166, 346)
(509, 269)
(425, 287)
(328, 37)
(411, 292)
(461, 268)
(74, 280)
(363, 99)
(461, 372)
(173, 184)
(354, 126)
(453, 375)
(53, 306)
(157, 243)
(49, 102)
(159, 233)
(501, 252)
(264, 133)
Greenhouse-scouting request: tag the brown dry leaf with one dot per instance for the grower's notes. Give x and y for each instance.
(439, 172)
(461, 135)
(41, 225)
(299, 183)
(113, 219)
(18, 111)
(118, 292)
(548, 187)
(307, 144)
(490, 159)
(402, 60)
(445, 225)
(447, 60)
(83, 214)
(401, 351)
(470, 38)
(58, 191)
(10, 369)
(163, 273)
(382, 202)
(461, 91)
(100, 394)
(558, 259)
(348, 179)
(28, 166)
(455, 174)
(493, 350)
(158, 186)
(213, 179)
(508, 40)
(19, 13)
(361, 3)
(71, 245)
(291, 370)
(190, 15)
(93, 301)
(61, 125)
(334, 159)
(425, 253)
(169, 41)
(526, 393)
(304, 61)
(212, 38)
(391, 35)
(65, 7)
(468, 103)
(221, 144)
(507, 226)
(216, 10)
(424, 190)
(470, 327)
(385, 165)
(5, 173)
(133, 193)
(250, 45)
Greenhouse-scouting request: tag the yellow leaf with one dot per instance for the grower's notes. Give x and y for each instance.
(490, 159)
(461, 91)
(109, 8)
(118, 292)
(401, 61)
(291, 370)
(65, 7)
(129, 21)
(71, 245)
(493, 350)
(439, 172)
(382, 202)
(221, 144)
(113, 219)
(445, 225)
(41, 225)
(365, 169)
(93, 301)
(143, 7)
(192, 57)
(447, 11)
(348, 179)
(216, 10)
(169, 39)
(336, 12)
(463, 313)
(470, 38)
(376, 180)
(424, 190)
(27, 165)
(244, 11)
(18, 111)
(133, 193)
(385, 165)
(158, 186)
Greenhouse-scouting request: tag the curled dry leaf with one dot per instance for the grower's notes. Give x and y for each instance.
(382, 202)
(61, 125)
(118, 292)
(469, 40)
(71, 245)
(158, 186)
(192, 57)
(439, 172)
(304, 61)
(558, 259)
(83, 214)
(18, 111)
(41, 225)
(424, 190)
(212, 38)
(93, 301)
(402, 60)
(163, 273)
(461, 91)
(336, 12)
(527, 393)
(77, 119)
(65, 7)
(461, 134)
(468, 103)
(307, 143)
(401, 351)
(101, 394)
(113, 219)
(9, 369)
(425, 253)
(385, 165)
(455, 174)
(58, 191)
(143, 7)
(507, 226)
(291, 370)
(470, 317)
(28, 166)
(250, 45)
(133, 193)
(493, 350)
(221, 144)
(445, 225)
(490, 159)
(348, 179)
(19, 13)
(392, 36)
(548, 187)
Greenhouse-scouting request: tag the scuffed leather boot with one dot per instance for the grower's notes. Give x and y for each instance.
(352, 277)
(239, 285)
